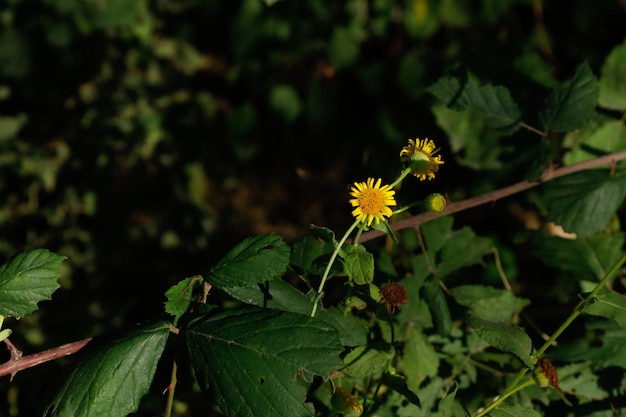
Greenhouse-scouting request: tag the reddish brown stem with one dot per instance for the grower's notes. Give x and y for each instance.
(18, 363)
(548, 174)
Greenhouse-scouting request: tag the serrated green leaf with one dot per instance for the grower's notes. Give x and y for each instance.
(493, 103)
(611, 305)
(488, 302)
(439, 310)
(579, 378)
(111, 381)
(253, 261)
(613, 80)
(26, 279)
(359, 264)
(281, 296)
(324, 233)
(254, 359)
(584, 202)
(385, 228)
(179, 296)
(514, 411)
(570, 106)
(510, 339)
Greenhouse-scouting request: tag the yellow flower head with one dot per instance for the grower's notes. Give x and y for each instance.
(371, 201)
(419, 156)
(435, 203)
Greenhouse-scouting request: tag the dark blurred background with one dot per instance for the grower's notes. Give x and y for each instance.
(143, 139)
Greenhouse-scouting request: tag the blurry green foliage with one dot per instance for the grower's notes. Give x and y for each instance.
(144, 139)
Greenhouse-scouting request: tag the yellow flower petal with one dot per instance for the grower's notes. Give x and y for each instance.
(420, 156)
(372, 201)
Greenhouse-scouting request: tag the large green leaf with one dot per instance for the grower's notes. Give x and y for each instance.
(493, 103)
(571, 105)
(613, 80)
(419, 360)
(26, 279)
(488, 302)
(253, 261)
(584, 202)
(256, 360)
(609, 304)
(281, 296)
(111, 381)
(510, 339)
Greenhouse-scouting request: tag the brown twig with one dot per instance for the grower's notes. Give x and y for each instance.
(548, 174)
(18, 363)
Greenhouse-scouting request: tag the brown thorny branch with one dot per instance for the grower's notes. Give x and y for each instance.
(17, 362)
(550, 173)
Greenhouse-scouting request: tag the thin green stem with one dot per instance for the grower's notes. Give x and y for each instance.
(581, 307)
(358, 234)
(503, 397)
(402, 176)
(169, 405)
(320, 291)
(513, 386)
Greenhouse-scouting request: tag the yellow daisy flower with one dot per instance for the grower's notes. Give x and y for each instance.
(419, 156)
(371, 201)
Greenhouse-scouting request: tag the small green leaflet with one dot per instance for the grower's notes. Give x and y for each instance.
(251, 262)
(359, 264)
(179, 296)
(570, 106)
(26, 279)
(584, 202)
(510, 339)
(493, 103)
(257, 361)
(111, 382)
(611, 305)
(613, 80)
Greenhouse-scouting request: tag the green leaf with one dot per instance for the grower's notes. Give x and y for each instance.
(343, 48)
(473, 145)
(254, 359)
(608, 138)
(584, 202)
(493, 103)
(253, 261)
(112, 381)
(419, 360)
(510, 339)
(179, 296)
(571, 105)
(436, 299)
(284, 100)
(613, 80)
(462, 249)
(488, 302)
(587, 258)
(446, 403)
(514, 411)
(359, 264)
(306, 251)
(611, 305)
(279, 295)
(365, 361)
(26, 279)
